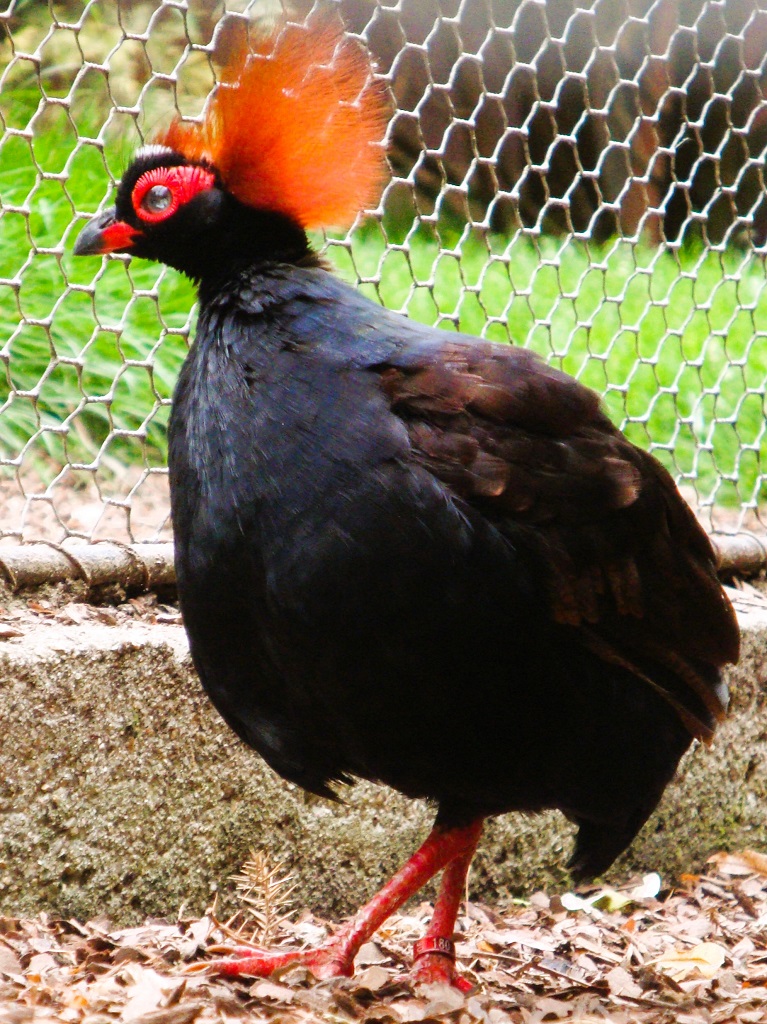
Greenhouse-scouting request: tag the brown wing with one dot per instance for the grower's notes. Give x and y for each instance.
(625, 563)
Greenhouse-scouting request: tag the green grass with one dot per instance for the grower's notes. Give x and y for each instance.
(91, 375)
(677, 342)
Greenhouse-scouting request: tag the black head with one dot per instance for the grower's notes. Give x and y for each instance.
(176, 211)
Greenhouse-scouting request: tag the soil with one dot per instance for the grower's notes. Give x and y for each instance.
(131, 509)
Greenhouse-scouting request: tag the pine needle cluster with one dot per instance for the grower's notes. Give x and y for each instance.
(265, 892)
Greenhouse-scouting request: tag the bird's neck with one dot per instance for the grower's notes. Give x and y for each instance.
(244, 240)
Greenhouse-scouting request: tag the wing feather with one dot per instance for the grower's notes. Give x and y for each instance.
(624, 562)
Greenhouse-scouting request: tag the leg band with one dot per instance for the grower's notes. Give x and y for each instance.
(434, 944)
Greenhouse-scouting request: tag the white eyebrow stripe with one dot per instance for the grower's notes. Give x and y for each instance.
(152, 150)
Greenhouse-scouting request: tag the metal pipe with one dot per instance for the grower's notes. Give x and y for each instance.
(142, 567)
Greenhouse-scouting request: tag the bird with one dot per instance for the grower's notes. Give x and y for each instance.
(403, 554)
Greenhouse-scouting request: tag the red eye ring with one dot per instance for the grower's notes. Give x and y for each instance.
(183, 181)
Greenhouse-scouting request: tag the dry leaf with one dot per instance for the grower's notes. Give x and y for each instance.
(572, 902)
(705, 959)
(506, 938)
(408, 1010)
(129, 954)
(148, 990)
(370, 953)
(649, 889)
(611, 901)
(173, 1015)
(41, 963)
(9, 962)
(727, 981)
(372, 978)
(268, 990)
(746, 862)
(442, 999)
(689, 881)
(546, 1007)
(621, 983)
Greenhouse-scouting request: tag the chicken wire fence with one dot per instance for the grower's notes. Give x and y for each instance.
(586, 179)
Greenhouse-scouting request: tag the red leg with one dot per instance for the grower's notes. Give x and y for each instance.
(336, 957)
(434, 954)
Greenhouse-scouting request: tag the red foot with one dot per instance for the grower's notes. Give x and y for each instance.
(324, 962)
(330, 962)
(434, 963)
(436, 969)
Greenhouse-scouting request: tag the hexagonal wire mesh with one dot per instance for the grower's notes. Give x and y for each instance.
(583, 178)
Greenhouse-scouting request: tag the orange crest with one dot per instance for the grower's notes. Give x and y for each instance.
(295, 126)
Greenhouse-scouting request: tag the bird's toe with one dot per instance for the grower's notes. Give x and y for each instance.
(436, 969)
(324, 962)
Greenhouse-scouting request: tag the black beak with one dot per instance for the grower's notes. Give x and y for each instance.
(104, 233)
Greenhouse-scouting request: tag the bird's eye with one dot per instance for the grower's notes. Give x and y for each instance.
(157, 199)
(160, 191)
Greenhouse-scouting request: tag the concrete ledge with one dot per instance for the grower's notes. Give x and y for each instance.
(122, 793)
